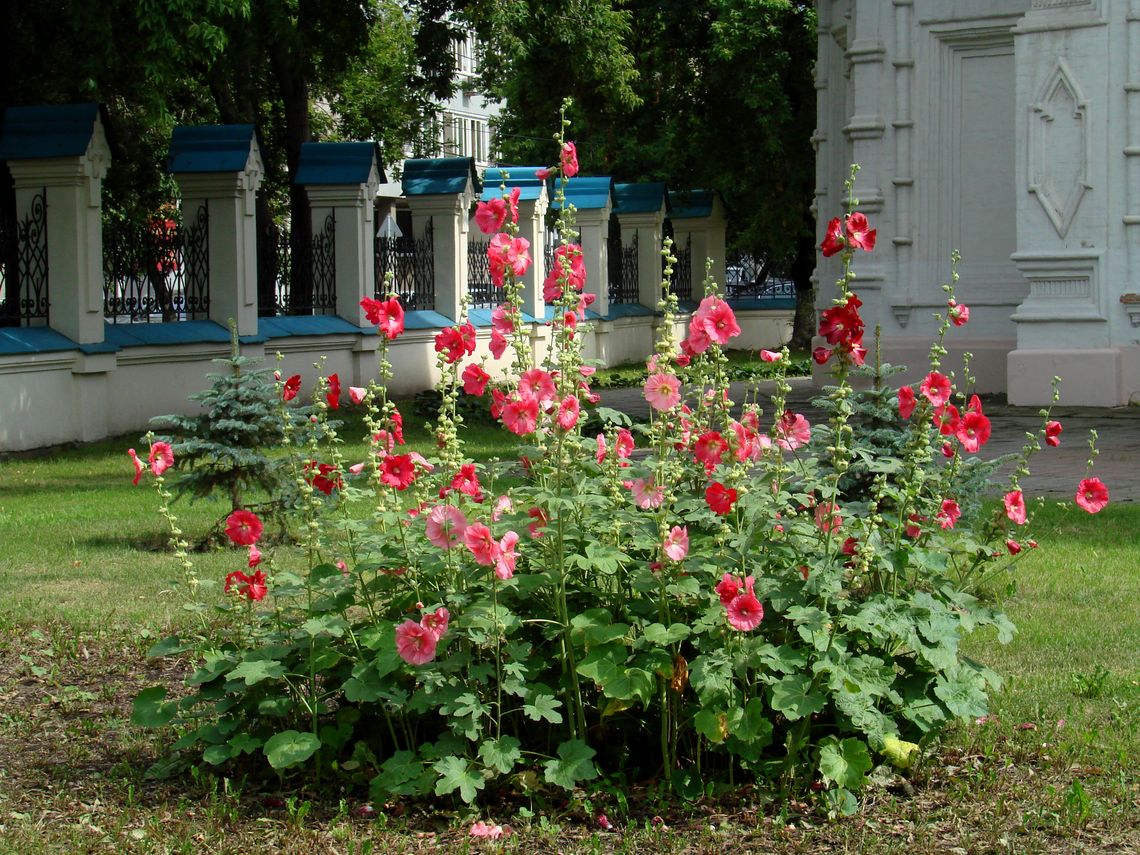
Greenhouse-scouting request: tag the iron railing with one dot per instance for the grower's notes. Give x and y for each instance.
(482, 292)
(158, 271)
(682, 283)
(297, 280)
(410, 263)
(749, 277)
(623, 271)
(24, 266)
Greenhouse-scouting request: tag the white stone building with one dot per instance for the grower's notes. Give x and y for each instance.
(1009, 130)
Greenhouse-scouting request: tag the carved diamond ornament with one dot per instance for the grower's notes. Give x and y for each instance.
(1059, 147)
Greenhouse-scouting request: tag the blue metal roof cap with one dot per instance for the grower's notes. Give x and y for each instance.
(430, 176)
(587, 192)
(210, 148)
(50, 130)
(690, 204)
(523, 177)
(645, 197)
(337, 163)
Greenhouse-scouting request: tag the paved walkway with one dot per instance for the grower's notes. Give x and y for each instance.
(1056, 471)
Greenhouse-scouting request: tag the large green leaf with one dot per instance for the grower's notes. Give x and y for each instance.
(845, 763)
(544, 707)
(455, 773)
(501, 754)
(795, 697)
(402, 774)
(255, 672)
(574, 764)
(656, 633)
(289, 748)
(151, 709)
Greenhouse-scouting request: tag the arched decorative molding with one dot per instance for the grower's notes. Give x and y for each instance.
(1059, 147)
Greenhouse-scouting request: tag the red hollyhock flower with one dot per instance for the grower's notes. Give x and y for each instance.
(139, 467)
(490, 215)
(1015, 506)
(720, 498)
(849, 546)
(833, 241)
(913, 529)
(959, 314)
(161, 457)
(728, 588)
(973, 431)
(1092, 495)
(475, 379)
(520, 415)
(709, 449)
(745, 612)
(906, 401)
(457, 341)
(251, 587)
(569, 158)
(948, 514)
(1053, 433)
(935, 387)
(319, 476)
(821, 355)
(828, 517)
(398, 470)
(333, 396)
(842, 324)
(243, 528)
(946, 419)
(858, 233)
(1013, 546)
(291, 387)
(466, 481)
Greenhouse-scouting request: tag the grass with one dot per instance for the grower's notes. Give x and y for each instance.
(1052, 770)
(742, 365)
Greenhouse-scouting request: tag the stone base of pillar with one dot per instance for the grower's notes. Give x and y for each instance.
(1092, 378)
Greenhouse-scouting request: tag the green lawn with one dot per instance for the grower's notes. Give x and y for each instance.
(85, 586)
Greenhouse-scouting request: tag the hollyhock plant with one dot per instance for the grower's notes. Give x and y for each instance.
(948, 514)
(833, 242)
(959, 314)
(907, 401)
(138, 464)
(1014, 503)
(973, 430)
(1092, 495)
(357, 394)
(676, 545)
(161, 457)
(291, 387)
(243, 528)
(662, 391)
(720, 498)
(397, 471)
(436, 622)
(475, 379)
(569, 160)
(490, 215)
(446, 526)
(935, 387)
(792, 431)
(415, 644)
(859, 232)
(332, 396)
(1053, 433)
(253, 586)
(568, 412)
(455, 342)
(388, 315)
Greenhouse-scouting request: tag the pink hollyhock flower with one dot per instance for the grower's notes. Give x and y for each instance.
(600, 454)
(1013, 546)
(503, 505)
(820, 355)
(646, 494)
(936, 389)
(792, 431)
(513, 203)
(542, 174)
(1092, 495)
(501, 320)
(699, 339)
(827, 517)
(719, 319)
(254, 556)
(505, 252)
(332, 397)
(913, 529)
(623, 445)
(959, 314)
(252, 587)
(709, 449)
(662, 391)
(398, 471)
(770, 356)
(490, 215)
(538, 384)
(388, 315)
(483, 546)
(243, 528)
(488, 831)
(973, 431)
(568, 412)
(1053, 433)
(858, 233)
(507, 556)
(1015, 506)
(436, 622)
(445, 526)
(720, 498)
(948, 514)
(291, 387)
(676, 545)
(466, 481)
(906, 401)
(745, 612)
(569, 158)
(744, 446)
(833, 241)
(520, 415)
(139, 467)
(457, 341)
(161, 457)
(356, 394)
(727, 588)
(415, 644)
(498, 344)
(475, 379)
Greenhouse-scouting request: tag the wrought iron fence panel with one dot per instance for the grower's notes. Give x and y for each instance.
(480, 289)
(410, 262)
(9, 257)
(297, 279)
(274, 270)
(158, 271)
(682, 284)
(25, 280)
(623, 271)
(749, 277)
(324, 268)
